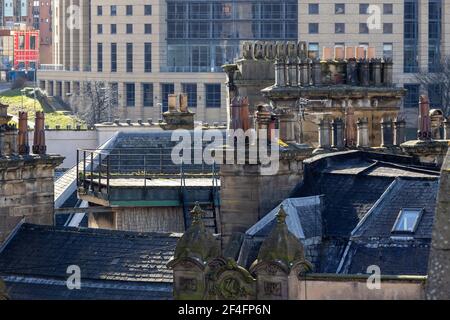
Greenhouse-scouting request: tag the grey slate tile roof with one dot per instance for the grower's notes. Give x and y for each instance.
(393, 257)
(372, 242)
(366, 191)
(352, 182)
(21, 288)
(103, 255)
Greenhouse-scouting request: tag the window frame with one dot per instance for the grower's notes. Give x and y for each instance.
(339, 5)
(313, 5)
(212, 104)
(398, 220)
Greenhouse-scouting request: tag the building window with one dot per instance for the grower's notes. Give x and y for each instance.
(313, 50)
(129, 10)
(129, 57)
(412, 96)
(435, 95)
(407, 220)
(113, 28)
(148, 9)
(99, 29)
(339, 28)
(388, 8)
(387, 28)
(363, 8)
(313, 28)
(191, 90)
(129, 28)
(363, 28)
(33, 43)
(147, 94)
(219, 26)
(212, 93)
(434, 34)
(411, 30)
(313, 8)
(99, 57)
(147, 57)
(339, 8)
(113, 10)
(166, 89)
(388, 51)
(99, 10)
(113, 57)
(130, 94)
(147, 28)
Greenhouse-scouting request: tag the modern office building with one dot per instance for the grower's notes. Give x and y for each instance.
(30, 14)
(147, 49)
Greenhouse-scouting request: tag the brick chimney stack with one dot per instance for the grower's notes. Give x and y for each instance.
(23, 145)
(39, 146)
(424, 132)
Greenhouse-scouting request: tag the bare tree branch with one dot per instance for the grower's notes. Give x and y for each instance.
(95, 102)
(440, 79)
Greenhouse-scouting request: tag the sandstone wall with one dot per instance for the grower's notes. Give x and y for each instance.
(26, 191)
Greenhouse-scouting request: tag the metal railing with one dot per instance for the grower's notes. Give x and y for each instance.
(97, 168)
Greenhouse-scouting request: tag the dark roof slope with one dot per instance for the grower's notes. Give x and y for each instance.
(373, 243)
(393, 258)
(405, 193)
(352, 182)
(104, 256)
(347, 199)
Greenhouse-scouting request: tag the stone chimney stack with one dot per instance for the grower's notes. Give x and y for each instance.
(316, 73)
(8, 133)
(388, 72)
(446, 124)
(23, 145)
(399, 131)
(39, 146)
(352, 72)
(376, 71)
(280, 73)
(363, 133)
(424, 132)
(386, 133)
(324, 134)
(364, 73)
(337, 133)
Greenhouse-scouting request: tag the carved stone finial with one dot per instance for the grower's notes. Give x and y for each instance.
(281, 245)
(197, 242)
(197, 213)
(281, 215)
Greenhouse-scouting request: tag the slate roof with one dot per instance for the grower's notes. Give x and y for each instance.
(352, 182)
(303, 220)
(104, 256)
(361, 194)
(373, 243)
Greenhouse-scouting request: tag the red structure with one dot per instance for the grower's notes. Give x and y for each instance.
(26, 49)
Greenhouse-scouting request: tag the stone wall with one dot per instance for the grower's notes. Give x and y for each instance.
(247, 196)
(149, 219)
(337, 287)
(439, 263)
(26, 190)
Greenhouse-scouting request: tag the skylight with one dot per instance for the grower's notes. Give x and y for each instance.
(407, 220)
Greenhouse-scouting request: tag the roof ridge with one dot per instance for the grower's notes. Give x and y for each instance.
(94, 231)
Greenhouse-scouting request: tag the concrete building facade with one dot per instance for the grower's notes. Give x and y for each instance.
(149, 49)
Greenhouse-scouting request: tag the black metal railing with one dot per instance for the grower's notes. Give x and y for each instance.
(98, 167)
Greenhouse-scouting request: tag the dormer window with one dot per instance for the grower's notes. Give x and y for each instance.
(407, 220)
